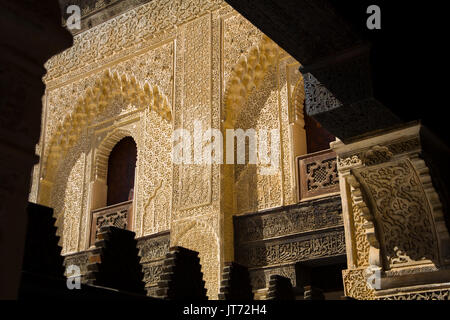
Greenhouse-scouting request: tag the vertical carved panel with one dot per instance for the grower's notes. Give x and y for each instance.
(362, 246)
(195, 179)
(401, 212)
(201, 237)
(155, 176)
(152, 250)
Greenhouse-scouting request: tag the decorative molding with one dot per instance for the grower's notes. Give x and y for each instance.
(393, 217)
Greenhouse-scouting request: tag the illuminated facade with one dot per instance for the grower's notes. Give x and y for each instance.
(162, 66)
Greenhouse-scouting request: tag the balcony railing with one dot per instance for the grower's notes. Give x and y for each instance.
(318, 175)
(117, 215)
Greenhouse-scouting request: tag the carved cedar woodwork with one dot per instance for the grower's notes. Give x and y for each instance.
(118, 215)
(273, 242)
(152, 250)
(199, 60)
(318, 174)
(114, 263)
(394, 221)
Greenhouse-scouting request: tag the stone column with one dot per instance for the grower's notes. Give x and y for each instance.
(396, 237)
(32, 34)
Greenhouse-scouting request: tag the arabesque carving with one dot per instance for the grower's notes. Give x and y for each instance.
(210, 62)
(248, 75)
(368, 226)
(427, 295)
(400, 205)
(94, 101)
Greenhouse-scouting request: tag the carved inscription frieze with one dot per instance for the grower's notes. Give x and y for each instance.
(294, 219)
(260, 277)
(378, 154)
(317, 246)
(355, 285)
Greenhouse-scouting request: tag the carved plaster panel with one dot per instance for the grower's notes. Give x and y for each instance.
(167, 64)
(402, 213)
(392, 214)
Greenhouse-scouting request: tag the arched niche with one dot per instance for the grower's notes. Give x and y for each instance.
(112, 190)
(89, 106)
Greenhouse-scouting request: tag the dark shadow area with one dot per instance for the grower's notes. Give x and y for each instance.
(121, 171)
(322, 276)
(408, 55)
(317, 137)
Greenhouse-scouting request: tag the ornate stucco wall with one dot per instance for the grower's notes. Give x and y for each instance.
(155, 68)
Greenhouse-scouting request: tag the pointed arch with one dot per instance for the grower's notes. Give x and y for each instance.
(91, 104)
(296, 114)
(196, 235)
(247, 76)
